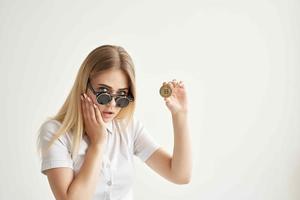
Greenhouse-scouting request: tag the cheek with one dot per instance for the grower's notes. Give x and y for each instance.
(101, 107)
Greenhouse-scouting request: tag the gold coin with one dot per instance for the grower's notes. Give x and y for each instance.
(165, 91)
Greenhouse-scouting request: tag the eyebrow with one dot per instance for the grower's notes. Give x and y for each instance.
(111, 87)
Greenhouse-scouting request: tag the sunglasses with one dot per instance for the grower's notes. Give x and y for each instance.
(104, 97)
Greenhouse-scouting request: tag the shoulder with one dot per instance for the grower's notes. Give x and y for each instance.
(51, 124)
(49, 127)
(48, 130)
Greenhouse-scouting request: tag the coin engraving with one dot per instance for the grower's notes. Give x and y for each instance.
(165, 91)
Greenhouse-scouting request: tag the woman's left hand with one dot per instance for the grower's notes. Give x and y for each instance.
(177, 102)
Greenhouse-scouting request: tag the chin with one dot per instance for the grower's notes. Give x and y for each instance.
(106, 120)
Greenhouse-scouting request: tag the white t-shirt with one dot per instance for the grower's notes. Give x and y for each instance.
(117, 171)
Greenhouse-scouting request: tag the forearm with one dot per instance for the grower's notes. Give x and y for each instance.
(84, 184)
(181, 164)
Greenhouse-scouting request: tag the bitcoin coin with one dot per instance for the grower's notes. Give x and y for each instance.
(165, 91)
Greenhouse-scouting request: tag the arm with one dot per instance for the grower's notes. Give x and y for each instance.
(66, 186)
(176, 168)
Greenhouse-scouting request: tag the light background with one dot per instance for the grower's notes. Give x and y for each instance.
(238, 59)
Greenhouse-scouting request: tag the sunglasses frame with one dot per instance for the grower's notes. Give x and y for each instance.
(129, 97)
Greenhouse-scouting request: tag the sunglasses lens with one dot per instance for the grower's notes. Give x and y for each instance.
(106, 98)
(103, 99)
(122, 102)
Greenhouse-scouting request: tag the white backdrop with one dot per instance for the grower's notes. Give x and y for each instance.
(238, 59)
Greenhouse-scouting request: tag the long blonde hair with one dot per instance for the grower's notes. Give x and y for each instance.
(70, 114)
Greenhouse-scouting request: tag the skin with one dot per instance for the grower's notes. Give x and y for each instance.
(109, 78)
(176, 168)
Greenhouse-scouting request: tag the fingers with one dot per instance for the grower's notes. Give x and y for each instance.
(174, 83)
(180, 84)
(88, 109)
(83, 108)
(91, 110)
(98, 114)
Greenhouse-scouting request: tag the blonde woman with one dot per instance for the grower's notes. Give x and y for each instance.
(87, 149)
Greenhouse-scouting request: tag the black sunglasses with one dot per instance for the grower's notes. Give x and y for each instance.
(104, 97)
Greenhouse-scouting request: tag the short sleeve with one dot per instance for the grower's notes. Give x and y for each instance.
(144, 144)
(58, 154)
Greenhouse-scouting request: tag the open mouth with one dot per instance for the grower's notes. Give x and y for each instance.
(107, 114)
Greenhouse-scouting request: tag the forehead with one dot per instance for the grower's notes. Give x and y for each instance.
(114, 78)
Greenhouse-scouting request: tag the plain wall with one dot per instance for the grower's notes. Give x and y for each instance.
(238, 59)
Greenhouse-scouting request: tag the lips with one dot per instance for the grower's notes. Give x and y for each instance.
(107, 114)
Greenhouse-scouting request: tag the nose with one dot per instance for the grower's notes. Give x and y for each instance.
(112, 102)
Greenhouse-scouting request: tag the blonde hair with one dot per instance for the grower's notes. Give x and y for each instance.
(70, 115)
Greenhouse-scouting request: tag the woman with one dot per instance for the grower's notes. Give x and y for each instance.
(87, 149)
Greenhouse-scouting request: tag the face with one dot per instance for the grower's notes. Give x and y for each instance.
(115, 80)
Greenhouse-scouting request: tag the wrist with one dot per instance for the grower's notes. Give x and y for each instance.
(96, 147)
(179, 114)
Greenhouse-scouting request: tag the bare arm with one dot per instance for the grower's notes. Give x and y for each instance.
(66, 186)
(178, 167)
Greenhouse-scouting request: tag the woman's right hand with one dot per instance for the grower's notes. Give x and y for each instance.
(94, 125)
